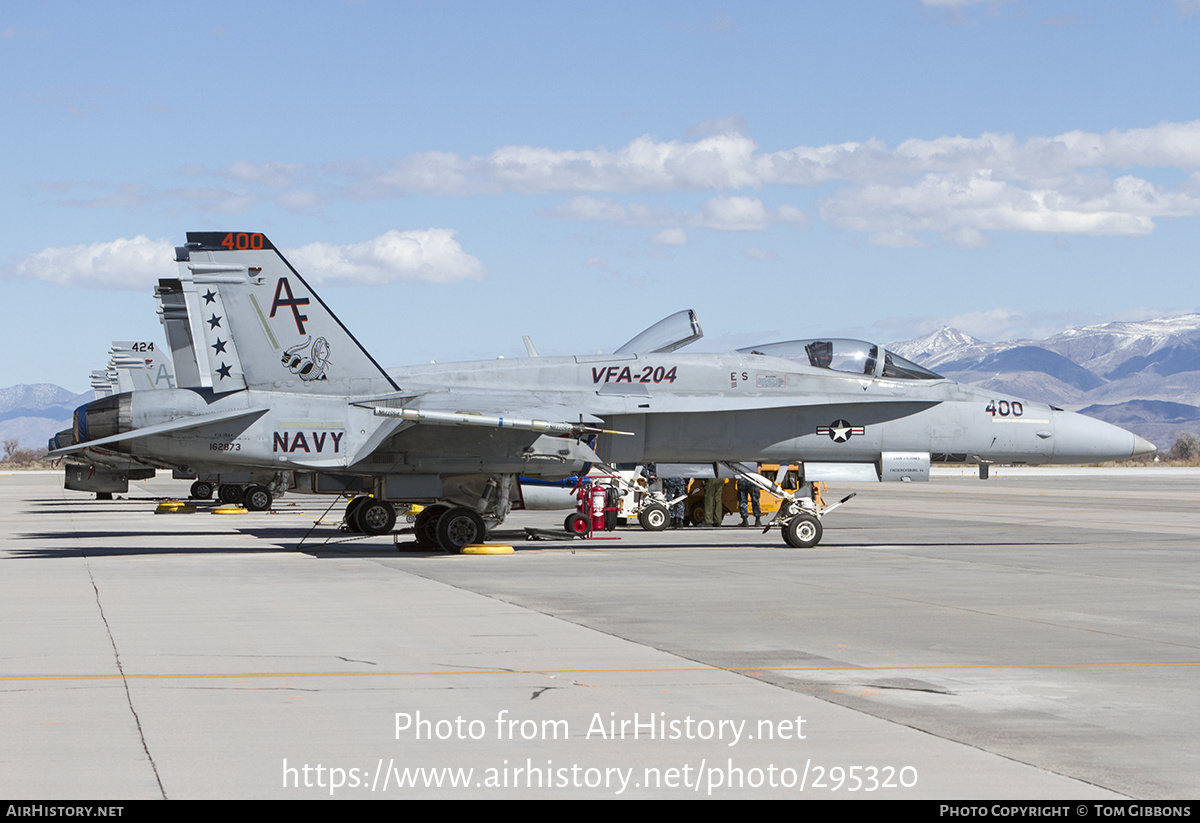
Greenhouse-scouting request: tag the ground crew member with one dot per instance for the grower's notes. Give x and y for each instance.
(713, 507)
(676, 487)
(747, 489)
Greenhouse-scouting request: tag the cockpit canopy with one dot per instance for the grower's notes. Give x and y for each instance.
(667, 335)
(848, 356)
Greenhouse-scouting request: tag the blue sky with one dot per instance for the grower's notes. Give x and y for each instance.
(454, 175)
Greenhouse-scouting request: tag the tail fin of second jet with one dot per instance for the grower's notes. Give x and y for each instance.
(263, 326)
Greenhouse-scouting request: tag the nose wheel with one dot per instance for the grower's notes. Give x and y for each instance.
(800, 511)
(802, 532)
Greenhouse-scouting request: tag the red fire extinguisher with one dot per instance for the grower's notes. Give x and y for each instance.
(598, 505)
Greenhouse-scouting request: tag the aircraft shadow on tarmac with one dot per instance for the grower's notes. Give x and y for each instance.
(326, 541)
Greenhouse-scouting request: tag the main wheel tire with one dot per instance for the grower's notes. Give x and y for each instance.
(350, 517)
(802, 532)
(459, 527)
(654, 518)
(375, 516)
(576, 523)
(230, 493)
(425, 527)
(258, 498)
(202, 490)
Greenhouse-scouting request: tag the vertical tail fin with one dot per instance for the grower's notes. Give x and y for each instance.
(135, 365)
(263, 326)
(173, 313)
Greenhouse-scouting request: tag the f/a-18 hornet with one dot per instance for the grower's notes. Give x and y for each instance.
(290, 389)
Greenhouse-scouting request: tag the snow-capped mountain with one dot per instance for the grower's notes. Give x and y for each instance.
(929, 348)
(1144, 376)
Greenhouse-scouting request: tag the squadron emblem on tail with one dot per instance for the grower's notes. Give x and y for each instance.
(308, 360)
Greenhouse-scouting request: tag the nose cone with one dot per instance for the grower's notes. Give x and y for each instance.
(1081, 439)
(1142, 446)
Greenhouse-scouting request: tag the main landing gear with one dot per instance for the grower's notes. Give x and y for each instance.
(202, 490)
(449, 528)
(370, 516)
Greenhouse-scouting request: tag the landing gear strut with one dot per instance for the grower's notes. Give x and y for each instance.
(799, 515)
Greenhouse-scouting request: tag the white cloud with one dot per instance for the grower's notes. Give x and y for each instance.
(720, 161)
(670, 237)
(1076, 182)
(966, 238)
(730, 160)
(721, 213)
(755, 253)
(428, 255)
(952, 202)
(298, 201)
(135, 263)
(894, 239)
(734, 124)
(272, 175)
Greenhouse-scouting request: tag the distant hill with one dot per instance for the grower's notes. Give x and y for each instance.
(34, 413)
(1157, 420)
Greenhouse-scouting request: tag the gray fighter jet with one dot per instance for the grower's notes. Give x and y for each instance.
(132, 366)
(290, 389)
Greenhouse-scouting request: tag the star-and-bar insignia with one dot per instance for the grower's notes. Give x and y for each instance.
(840, 431)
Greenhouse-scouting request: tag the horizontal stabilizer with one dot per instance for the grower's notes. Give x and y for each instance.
(181, 424)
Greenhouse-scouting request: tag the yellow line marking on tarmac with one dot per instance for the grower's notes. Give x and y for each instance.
(737, 670)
